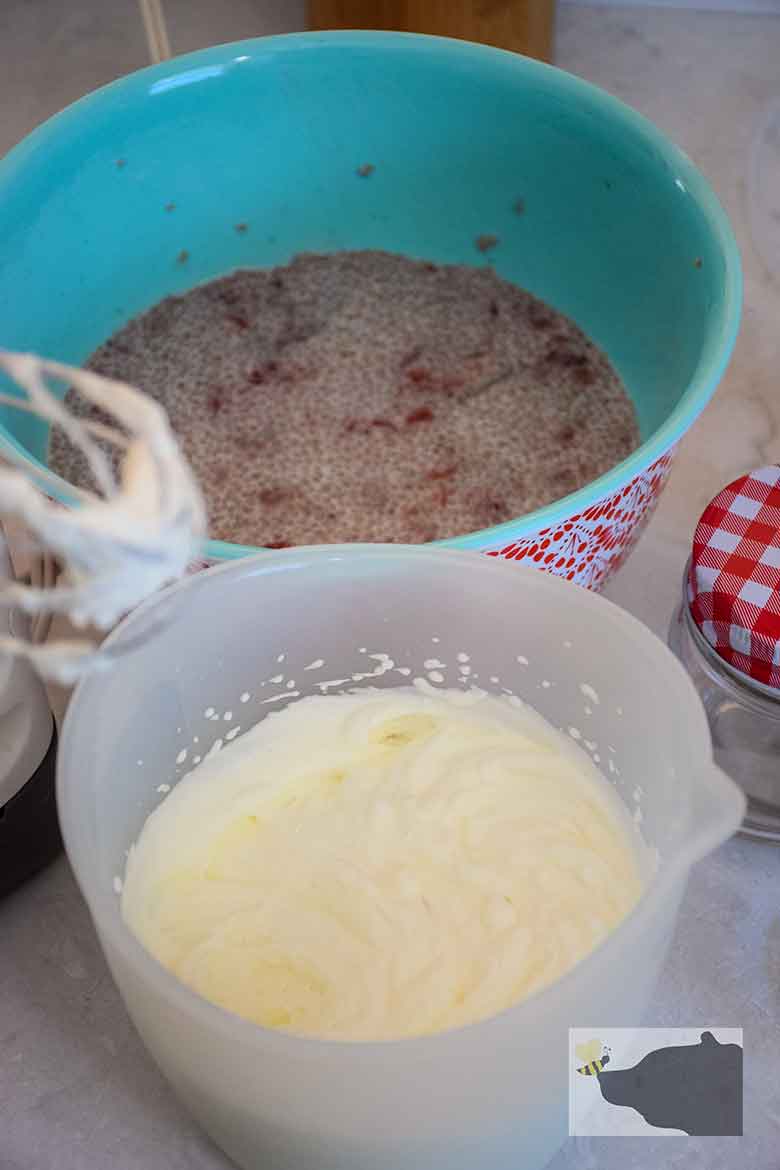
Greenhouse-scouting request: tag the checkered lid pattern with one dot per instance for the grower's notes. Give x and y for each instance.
(734, 580)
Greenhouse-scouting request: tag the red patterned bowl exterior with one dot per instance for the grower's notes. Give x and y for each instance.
(591, 545)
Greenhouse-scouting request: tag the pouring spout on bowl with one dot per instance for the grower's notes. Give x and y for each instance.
(717, 807)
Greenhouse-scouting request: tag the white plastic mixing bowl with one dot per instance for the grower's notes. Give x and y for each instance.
(493, 1094)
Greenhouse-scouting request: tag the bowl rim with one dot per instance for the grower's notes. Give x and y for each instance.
(722, 328)
(690, 841)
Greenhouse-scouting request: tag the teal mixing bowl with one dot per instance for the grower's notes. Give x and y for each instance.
(619, 229)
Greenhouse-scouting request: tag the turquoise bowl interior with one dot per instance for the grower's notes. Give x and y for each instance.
(619, 230)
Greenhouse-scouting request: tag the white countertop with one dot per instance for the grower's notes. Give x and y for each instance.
(77, 1090)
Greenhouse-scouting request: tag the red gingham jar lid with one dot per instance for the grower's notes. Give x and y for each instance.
(734, 577)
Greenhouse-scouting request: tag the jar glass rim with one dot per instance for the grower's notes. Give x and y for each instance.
(760, 693)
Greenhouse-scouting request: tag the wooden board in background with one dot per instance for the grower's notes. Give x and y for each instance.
(524, 26)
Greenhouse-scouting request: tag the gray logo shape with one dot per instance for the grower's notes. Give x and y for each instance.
(693, 1087)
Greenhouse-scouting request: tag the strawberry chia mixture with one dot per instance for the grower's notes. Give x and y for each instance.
(366, 396)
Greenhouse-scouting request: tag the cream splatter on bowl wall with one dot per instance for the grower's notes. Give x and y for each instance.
(138, 192)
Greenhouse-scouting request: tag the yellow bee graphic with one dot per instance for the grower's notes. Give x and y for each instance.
(594, 1055)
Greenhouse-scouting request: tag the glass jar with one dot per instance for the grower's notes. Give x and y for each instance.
(744, 719)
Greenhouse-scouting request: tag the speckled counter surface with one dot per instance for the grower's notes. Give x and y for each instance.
(77, 1091)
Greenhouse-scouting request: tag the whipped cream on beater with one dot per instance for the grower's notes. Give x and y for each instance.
(119, 546)
(381, 864)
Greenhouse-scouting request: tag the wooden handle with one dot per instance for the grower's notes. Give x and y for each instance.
(524, 26)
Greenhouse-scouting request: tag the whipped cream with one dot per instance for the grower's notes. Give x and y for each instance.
(382, 864)
(121, 543)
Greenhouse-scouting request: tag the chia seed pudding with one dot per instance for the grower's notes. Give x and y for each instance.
(367, 396)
